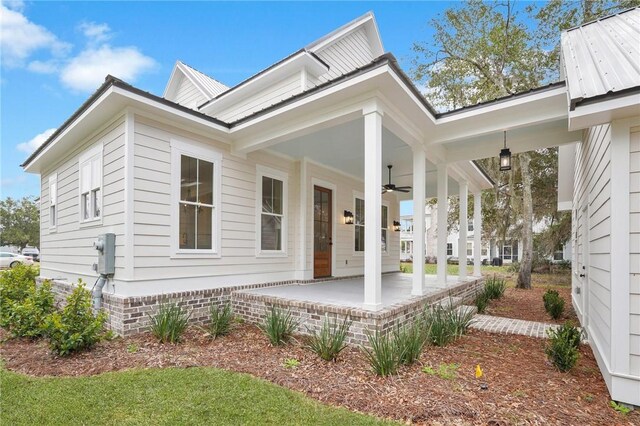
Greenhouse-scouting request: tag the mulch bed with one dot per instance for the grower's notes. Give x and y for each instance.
(528, 305)
(523, 388)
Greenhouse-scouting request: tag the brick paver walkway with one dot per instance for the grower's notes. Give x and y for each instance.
(511, 326)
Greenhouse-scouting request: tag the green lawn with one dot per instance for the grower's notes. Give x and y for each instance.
(167, 396)
(431, 269)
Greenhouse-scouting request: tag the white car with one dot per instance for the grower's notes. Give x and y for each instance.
(9, 260)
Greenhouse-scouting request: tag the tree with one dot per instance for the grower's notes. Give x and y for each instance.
(481, 51)
(19, 222)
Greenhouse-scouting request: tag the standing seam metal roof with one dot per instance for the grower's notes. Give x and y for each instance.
(211, 86)
(603, 56)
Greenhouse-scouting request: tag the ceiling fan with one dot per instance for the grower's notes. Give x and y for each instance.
(391, 187)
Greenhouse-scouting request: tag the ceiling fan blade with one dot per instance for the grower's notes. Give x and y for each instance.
(400, 188)
(384, 190)
(403, 190)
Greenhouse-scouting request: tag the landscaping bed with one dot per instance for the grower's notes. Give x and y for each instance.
(523, 387)
(528, 305)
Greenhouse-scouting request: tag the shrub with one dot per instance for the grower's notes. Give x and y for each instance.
(445, 324)
(27, 318)
(513, 267)
(408, 342)
(553, 303)
(562, 348)
(383, 356)
(495, 287)
(279, 326)
(169, 322)
(76, 327)
(481, 302)
(16, 285)
(221, 320)
(330, 341)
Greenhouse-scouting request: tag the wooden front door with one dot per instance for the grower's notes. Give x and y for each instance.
(322, 232)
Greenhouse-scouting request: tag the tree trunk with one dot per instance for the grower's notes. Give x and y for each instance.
(524, 277)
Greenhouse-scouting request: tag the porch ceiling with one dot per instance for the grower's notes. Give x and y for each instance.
(341, 147)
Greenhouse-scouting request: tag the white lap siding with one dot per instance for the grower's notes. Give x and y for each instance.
(634, 251)
(156, 270)
(593, 187)
(67, 251)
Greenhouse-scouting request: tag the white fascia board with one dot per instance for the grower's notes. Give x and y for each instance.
(367, 20)
(303, 60)
(542, 107)
(605, 111)
(173, 80)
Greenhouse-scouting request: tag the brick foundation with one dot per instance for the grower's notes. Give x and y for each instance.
(253, 307)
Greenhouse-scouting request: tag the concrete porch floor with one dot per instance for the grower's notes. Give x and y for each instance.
(396, 289)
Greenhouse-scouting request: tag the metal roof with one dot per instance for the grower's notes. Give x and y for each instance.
(208, 84)
(602, 57)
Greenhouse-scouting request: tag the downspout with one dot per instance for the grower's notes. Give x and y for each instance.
(97, 292)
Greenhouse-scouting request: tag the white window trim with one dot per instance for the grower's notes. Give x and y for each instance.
(53, 225)
(204, 152)
(96, 151)
(360, 195)
(472, 249)
(264, 171)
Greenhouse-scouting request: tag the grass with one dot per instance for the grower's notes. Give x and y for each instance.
(162, 397)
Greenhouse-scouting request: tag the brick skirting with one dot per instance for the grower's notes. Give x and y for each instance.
(253, 307)
(128, 315)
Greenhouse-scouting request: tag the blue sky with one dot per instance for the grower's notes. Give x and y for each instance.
(55, 54)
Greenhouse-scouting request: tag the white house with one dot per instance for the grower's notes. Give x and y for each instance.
(242, 193)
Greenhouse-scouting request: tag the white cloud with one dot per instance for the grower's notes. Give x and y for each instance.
(17, 5)
(87, 71)
(33, 144)
(19, 38)
(94, 32)
(44, 67)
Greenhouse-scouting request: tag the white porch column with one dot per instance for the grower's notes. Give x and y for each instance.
(477, 233)
(372, 208)
(443, 191)
(462, 235)
(419, 194)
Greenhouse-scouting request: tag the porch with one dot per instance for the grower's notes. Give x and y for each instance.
(310, 303)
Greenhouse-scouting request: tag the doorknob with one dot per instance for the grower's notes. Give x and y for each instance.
(582, 275)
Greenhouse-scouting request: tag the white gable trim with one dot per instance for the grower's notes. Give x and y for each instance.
(367, 21)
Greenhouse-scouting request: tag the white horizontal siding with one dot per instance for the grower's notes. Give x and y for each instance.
(593, 188)
(347, 54)
(634, 251)
(188, 94)
(67, 251)
(277, 92)
(152, 210)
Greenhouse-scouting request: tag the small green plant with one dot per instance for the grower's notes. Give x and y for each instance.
(445, 324)
(330, 340)
(76, 327)
(169, 322)
(481, 302)
(588, 397)
(291, 363)
(409, 342)
(620, 408)
(221, 320)
(132, 348)
(494, 287)
(279, 326)
(444, 371)
(382, 356)
(553, 303)
(562, 348)
(27, 318)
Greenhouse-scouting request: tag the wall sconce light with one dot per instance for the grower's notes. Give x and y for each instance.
(505, 156)
(396, 226)
(348, 217)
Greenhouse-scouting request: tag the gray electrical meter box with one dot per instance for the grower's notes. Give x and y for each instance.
(106, 246)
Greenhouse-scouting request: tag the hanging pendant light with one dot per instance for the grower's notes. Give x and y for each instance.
(505, 156)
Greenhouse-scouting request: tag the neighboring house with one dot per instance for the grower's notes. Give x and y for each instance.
(278, 179)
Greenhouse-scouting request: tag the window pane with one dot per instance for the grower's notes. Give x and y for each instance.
(96, 203)
(205, 186)
(277, 196)
(317, 205)
(85, 177)
(267, 194)
(271, 232)
(86, 206)
(188, 178)
(53, 193)
(52, 216)
(359, 216)
(385, 211)
(359, 241)
(204, 228)
(384, 240)
(187, 226)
